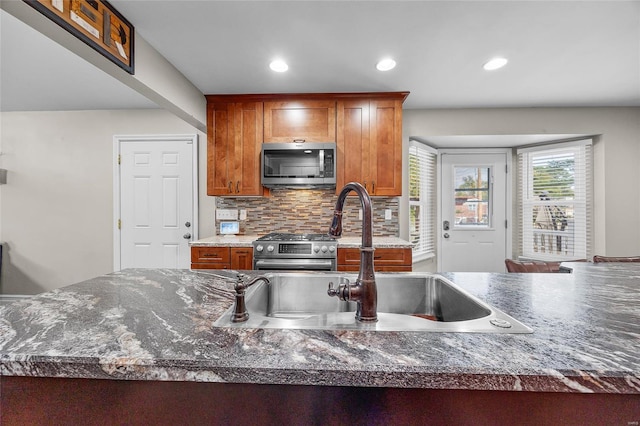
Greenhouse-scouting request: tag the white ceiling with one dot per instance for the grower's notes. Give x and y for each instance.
(561, 53)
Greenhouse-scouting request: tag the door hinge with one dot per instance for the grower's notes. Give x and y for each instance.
(119, 223)
(119, 158)
(506, 168)
(506, 224)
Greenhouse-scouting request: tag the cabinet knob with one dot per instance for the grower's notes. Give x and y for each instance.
(230, 190)
(238, 187)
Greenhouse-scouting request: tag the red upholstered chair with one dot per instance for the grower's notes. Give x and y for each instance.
(531, 266)
(598, 259)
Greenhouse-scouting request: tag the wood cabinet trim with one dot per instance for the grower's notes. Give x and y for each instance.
(305, 96)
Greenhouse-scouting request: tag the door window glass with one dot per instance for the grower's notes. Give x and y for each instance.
(472, 196)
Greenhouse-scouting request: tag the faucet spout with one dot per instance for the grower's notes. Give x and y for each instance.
(364, 291)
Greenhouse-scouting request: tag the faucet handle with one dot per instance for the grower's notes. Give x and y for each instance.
(331, 291)
(342, 292)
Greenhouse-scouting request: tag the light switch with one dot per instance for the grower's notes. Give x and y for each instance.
(387, 214)
(359, 214)
(226, 214)
(243, 214)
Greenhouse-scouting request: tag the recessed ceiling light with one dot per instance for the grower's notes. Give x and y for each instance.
(494, 64)
(279, 65)
(386, 64)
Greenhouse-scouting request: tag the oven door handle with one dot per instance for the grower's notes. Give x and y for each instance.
(298, 264)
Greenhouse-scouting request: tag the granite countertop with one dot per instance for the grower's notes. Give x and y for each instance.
(156, 324)
(246, 240)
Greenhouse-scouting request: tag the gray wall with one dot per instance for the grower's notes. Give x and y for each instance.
(56, 211)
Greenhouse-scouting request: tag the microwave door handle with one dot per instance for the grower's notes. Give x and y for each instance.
(321, 155)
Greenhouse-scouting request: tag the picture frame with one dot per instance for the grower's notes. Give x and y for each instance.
(97, 23)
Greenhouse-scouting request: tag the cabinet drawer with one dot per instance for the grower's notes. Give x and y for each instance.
(210, 255)
(383, 257)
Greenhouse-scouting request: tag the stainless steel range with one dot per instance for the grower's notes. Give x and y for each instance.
(281, 251)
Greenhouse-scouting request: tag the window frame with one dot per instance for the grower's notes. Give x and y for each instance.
(427, 156)
(529, 203)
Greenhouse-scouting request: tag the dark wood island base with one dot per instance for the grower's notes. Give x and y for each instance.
(34, 401)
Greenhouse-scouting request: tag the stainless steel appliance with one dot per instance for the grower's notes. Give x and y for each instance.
(283, 251)
(298, 165)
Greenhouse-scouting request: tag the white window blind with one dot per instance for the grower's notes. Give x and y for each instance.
(422, 199)
(554, 201)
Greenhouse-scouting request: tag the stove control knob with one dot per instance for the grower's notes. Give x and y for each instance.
(332, 248)
(259, 248)
(316, 249)
(324, 249)
(270, 248)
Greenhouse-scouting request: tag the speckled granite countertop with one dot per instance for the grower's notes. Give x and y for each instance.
(246, 240)
(156, 325)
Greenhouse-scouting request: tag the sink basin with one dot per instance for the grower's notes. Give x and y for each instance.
(406, 302)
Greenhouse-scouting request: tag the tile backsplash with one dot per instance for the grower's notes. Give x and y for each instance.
(308, 211)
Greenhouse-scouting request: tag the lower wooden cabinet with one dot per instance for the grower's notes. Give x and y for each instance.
(241, 258)
(203, 257)
(384, 259)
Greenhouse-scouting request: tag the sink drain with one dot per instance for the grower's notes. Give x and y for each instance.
(500, 323)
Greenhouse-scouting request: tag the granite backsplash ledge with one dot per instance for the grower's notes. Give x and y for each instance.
(308, 211)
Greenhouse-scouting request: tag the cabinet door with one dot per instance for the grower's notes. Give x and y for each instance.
(241, 258)
(352, 142)
(385, 148)
(370, 145)
(309, 121)
(234, 138)
(248, 127)
(220, 151)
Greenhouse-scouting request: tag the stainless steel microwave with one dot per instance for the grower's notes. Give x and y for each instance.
(298, 165)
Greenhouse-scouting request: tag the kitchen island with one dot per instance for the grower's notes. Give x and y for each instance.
(139, 346)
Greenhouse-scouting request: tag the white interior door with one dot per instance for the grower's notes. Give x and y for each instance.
(156, 200)
(473, 233)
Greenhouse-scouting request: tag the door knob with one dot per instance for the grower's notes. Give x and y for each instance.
(187, 224)
(446, 235)
(186, 236)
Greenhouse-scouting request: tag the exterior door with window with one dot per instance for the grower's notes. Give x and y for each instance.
(473, 233)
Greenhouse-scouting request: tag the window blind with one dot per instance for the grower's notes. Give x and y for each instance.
(422, 199)
(555, 201)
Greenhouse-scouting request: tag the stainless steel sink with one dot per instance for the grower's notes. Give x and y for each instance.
(406, 302)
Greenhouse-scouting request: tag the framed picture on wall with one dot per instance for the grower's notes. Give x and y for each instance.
(96, 23)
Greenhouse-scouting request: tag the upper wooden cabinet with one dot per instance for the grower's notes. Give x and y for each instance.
(367, 128)
(300, 120)
(369, 139)
(234, 139)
